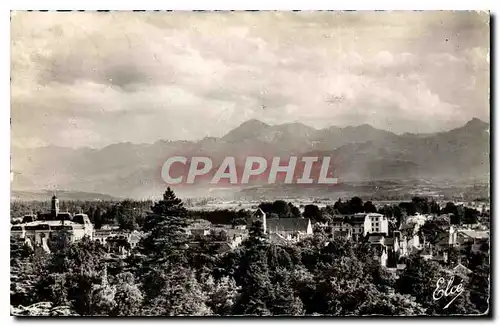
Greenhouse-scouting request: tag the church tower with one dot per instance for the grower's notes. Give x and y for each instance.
(261, 215)
(54, 207)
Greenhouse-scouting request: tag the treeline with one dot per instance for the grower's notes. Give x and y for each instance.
(165, 276)
(131, 214)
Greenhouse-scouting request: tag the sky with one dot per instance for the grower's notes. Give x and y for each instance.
(93, 79)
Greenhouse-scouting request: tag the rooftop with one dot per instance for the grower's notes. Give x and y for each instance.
(476, 234)
(287, 224)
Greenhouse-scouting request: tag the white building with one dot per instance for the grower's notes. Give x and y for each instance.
(52, 226)
(375, 223)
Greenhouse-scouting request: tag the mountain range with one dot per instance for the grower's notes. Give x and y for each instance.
(360, 153)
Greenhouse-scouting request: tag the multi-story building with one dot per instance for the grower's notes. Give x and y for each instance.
(375, 223)
(293, 228)
(40, 231)
(357, 222)
(341, 227)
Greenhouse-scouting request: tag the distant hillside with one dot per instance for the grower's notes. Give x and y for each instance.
(359, 153)
(62, 195)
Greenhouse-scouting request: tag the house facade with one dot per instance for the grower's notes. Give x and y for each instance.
(52, 226)
(289, 229)
(375, 223)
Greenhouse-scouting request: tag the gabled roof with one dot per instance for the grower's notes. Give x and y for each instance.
(461, 269)
(338, 218)
(341, 233)
(426, 252)
(376, 239)
(439, 257)
(357, 218)
(389, 241)
(475, 234)
(443, 238)
(407, 226)
(375, 215)
(287, 224)
(259, 213)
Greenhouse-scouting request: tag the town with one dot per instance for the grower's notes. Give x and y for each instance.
(395, 236)
(443, 233)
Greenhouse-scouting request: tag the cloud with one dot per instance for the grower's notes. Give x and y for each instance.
(140, 77)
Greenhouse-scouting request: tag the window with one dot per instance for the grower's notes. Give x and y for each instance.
(376, 224)
(376, 229)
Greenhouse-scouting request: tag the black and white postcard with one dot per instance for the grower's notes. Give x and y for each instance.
(250, 163)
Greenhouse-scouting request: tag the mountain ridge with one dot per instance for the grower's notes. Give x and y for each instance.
(360, 152)
(473, 121)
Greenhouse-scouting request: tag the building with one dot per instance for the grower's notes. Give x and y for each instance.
(341, 227)
(409, 232)
(461, 238)
(42, 231)
(357, 223)
(476, 239)
(375, 223)
(290, 229)
(380, 250)
(106, 231)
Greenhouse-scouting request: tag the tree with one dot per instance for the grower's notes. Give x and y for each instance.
(390, 305)
(419, 280)
(434, 208)
(284, 302)
(470, 215)
(166, 237)
(281, 208)
(409, 207)
(71, 274)
(355, 205)
(340, 208)
(170, 205)
(128, 296)
(25, 269)
(164, 244)
(313, 213)
(126, 220)
(421, 205)
(222, 295)
(398, 214)
(342, 287)
(450, 208)
(166, 241)
(386, 210)
(431, 230)
(304, 285)
(179, 295)
(103, 300)
(368, 207)
(98, 217)
(479, 283)
(294, 210)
